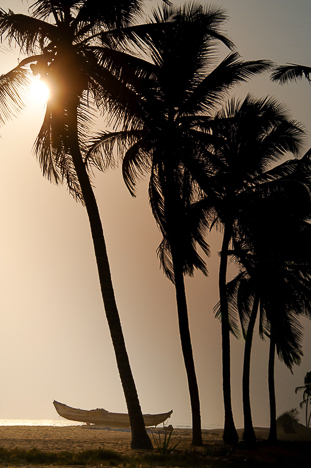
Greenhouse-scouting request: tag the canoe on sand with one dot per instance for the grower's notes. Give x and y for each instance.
(102, 417)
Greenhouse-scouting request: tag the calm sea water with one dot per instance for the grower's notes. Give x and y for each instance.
(65, 423)
(38, 422)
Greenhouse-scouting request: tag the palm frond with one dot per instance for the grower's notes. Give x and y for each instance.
(165, 257)
(232, 289)
(288, 342)
(231, 71)
(52, 149)
(118, 14)
(245, 301)
(43, 9)
(208, 18)
(291, 72)
(31, 34)
(13, 92)
(106, 148)
(116, 99)
(136, 163)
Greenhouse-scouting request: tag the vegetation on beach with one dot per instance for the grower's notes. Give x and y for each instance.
(288, 420)
(163, 443)
(211, 164)
(287, 455)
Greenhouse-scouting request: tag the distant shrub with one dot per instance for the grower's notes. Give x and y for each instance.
(288, 420)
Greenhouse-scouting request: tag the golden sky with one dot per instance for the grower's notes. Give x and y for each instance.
(54, 339)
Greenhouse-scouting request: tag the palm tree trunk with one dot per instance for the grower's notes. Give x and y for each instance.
(140, 438)
(249, 436)
(172, 206)
(230, 435)
(273, 431)
(186, 345)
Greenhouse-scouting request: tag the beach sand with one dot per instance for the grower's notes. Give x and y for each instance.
(81, 438)
(78, 438)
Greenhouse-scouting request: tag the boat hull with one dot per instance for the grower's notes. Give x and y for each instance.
(104, 418)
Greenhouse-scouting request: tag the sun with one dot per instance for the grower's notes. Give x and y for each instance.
(39, 91)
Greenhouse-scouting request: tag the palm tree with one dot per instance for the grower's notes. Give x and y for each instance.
(291, 72)
(169, 138)
(250, 136)
(279, 278)
(306, 396)
(170, 194)
(73, 44)
(276, 278)
(279, 311)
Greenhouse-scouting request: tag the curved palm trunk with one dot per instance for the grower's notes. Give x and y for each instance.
(249, 434)
(186, 345)
(140, 438)
(273, 432)
(230, 435)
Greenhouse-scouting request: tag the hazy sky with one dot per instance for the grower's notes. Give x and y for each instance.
(54, 338)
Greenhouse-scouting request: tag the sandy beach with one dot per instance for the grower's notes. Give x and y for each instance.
(78, 438)
(81, 438)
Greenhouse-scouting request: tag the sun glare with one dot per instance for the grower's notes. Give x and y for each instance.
(39, 91)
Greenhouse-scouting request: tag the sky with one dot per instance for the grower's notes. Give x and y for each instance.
(54, 337)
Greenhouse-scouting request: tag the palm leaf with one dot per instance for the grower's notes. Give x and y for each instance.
(136, 163)
(118, 13)
(106, 148)
(232, 288)
(291, 72)
(13, 92)
(231, 71)
(31, 34)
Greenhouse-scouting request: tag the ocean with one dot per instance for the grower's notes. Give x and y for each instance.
(65, 423)
(39, 422)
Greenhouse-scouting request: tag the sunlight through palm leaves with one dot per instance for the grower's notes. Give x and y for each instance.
(72, 46)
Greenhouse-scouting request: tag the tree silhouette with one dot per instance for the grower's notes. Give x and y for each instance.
(272, 249)
(169, 139)
(73, 46)
(251, 135)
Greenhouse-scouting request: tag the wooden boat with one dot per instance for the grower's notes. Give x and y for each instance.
(102, 417)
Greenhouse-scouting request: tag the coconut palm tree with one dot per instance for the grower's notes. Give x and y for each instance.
(275, 278)
(251, 135)
(73, 44)
(280, 307)
(306, 396)
(169, 138)
(291, 72)
(279, 278)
